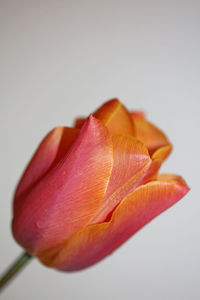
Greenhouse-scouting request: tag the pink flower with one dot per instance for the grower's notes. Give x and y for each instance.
(89, 188)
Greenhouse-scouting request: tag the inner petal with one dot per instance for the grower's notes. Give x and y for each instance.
(150, 135)
(132, 166)
(115, 116)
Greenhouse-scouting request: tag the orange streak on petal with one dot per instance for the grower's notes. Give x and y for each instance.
(94, 242)
(162, 153)
(172, 178)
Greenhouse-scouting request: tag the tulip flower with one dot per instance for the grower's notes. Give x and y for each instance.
(89, 188)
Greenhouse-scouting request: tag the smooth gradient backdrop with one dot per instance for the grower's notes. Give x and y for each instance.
(62, 58)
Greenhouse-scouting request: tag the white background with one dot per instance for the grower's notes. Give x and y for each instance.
(60, 59)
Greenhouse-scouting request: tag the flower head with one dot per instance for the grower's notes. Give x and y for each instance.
(89, 188)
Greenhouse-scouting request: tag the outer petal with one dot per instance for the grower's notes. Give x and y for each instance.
(130, 167)
(51, 149)
(115, 116)
(152, 137)
(93, 243)
(66, 199)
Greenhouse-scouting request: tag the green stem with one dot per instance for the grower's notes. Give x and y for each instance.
(14, 269)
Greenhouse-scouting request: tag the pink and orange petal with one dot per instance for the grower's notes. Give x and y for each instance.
(70, 194)
(50, 150)
(94, 242)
